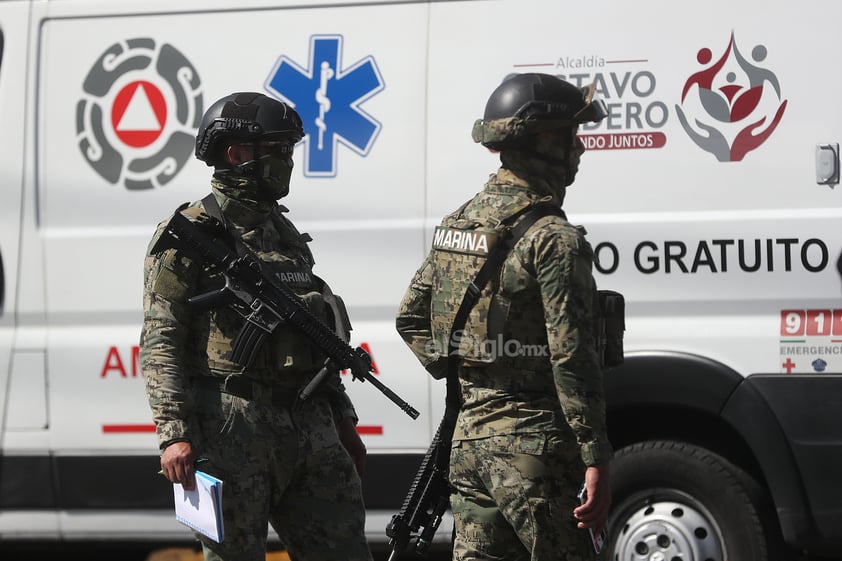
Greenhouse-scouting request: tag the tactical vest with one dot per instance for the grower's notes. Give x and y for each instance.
(506, 324)
(459, 253)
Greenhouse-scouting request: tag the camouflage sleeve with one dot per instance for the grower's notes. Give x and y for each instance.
(563, 264)
(163, 343)
(413, 321)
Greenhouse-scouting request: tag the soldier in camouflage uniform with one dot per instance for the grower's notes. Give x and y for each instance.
(532, 422)
(290, 464)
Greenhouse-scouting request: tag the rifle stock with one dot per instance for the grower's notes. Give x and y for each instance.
(262, 302)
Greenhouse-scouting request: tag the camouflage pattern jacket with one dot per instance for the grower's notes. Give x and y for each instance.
(178, 344)
(529, 358)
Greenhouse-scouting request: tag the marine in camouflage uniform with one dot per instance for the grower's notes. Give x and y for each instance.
(532, 422)
(282, 462)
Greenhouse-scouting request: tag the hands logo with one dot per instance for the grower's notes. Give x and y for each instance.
(732, 106)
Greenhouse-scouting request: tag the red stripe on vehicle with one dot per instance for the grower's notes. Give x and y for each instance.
(112, 429)
(370, 429)
(127, 428)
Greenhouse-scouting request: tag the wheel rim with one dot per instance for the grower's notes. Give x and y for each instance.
(666, 529)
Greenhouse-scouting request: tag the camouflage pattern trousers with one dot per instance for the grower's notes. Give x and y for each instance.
(282, 466)
(514, 499)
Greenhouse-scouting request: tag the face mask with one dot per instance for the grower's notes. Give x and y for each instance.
(272, 175)
(560, 156)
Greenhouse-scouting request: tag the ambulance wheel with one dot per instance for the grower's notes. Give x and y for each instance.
(677, 501)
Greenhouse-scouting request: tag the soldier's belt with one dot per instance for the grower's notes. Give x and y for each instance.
(245, 389)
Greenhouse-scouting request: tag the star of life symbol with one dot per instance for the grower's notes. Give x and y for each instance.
(328, 97)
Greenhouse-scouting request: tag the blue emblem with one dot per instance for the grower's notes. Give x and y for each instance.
(819, 365)
(328, 98)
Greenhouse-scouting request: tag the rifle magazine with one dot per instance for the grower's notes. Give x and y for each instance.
(247, 344)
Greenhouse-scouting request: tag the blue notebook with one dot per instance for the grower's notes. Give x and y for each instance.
(201, 508)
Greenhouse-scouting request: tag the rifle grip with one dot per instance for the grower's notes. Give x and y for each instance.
(208, 300)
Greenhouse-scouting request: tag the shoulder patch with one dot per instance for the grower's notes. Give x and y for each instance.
(168, 277)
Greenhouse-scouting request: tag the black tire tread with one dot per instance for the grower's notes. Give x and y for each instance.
(722, 486)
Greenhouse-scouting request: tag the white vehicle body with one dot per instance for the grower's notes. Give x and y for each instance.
(711, 196)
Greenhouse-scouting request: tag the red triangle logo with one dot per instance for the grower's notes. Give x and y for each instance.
(139, 113)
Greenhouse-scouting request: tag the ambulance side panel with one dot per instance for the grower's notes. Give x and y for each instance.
(106, 241)
(712, 215)
(106, 170)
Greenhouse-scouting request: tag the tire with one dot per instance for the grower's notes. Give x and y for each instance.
(675, 501)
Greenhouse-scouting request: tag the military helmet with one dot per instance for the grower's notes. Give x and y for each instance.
(245, 117)
(525, 104)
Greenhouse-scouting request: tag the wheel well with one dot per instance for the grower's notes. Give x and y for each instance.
(679, 397)
(631, 425)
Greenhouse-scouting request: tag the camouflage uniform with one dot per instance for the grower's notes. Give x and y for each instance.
(533, 413)
(281, 461)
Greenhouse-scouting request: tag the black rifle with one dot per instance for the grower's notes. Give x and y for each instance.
(428, 497)
(263, 303)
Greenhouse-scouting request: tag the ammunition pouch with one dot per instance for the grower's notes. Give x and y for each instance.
(611, 325)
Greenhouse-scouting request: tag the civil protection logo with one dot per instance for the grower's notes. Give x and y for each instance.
(136, 121)
(732, 106)
(328, 97)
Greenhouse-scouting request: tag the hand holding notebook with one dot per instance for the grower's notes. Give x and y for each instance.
(201, 508)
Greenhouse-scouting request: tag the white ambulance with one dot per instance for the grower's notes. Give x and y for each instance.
(711, 195)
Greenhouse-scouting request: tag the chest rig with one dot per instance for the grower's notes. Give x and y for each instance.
(288, 350)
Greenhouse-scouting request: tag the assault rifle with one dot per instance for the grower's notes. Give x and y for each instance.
(264, 303)
(428, 497)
